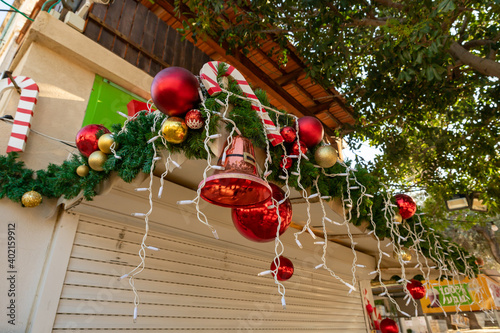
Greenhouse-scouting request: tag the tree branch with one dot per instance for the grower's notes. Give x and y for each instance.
(484, 66)
(490, 239)
(477, 42)
(365, 22)
(389, 3)
(461, 32)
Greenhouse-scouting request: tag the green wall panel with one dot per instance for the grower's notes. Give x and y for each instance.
(105, 100)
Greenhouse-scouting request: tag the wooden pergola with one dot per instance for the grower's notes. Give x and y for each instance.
(287, 86)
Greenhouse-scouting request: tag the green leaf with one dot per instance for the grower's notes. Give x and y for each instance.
(446, 6)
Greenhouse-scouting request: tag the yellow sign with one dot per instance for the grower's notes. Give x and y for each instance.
(477, 294)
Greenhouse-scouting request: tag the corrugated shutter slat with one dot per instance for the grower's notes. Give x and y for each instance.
(191, 286)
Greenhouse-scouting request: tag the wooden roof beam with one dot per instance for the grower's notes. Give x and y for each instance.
(289, 77)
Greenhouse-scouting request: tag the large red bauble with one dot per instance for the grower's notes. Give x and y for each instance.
(175, 91)
(289, 134)
(416, 289)
(388, 326)
(259, 223)
(295, 148)
(285, 270)
(87, 139)
(407, 207)
(311, 131)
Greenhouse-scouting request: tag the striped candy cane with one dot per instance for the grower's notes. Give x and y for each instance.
(24, 113)
(208, 74)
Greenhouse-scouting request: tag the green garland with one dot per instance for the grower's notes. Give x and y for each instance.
(137, 155)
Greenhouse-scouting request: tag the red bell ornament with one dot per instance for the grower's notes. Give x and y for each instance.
(311, 131)
(259, 223)
(238, 184)
(407, 207)
(388, 326)
(416, 289)
(175, 91)
(88, 137)
(289, 134)
(285, 269)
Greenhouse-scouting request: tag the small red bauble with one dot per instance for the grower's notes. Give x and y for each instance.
(311, 131)
(416, 289)
(407, 207)
(288, 162)
(259, 223)
(479, 261)
(285, 270)
(175, 91)
(388, 326)
(87, 138)
(295, 148)
(289, 134)
(194, 119)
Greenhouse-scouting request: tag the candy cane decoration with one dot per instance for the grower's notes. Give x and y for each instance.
(24, 113)
(208, 74)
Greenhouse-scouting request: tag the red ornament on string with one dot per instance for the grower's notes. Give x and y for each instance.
(259, 223)
(194, 119)
(88, 137)
(295, 148)
(416, 289)
(388, 326)
(311, 131)
(288, 162)
(407, 207)
(289, 134)
(479, 261)
(175, 91)
(285, 270)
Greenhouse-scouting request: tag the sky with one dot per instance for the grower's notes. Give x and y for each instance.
(366, 151)
(4, 6)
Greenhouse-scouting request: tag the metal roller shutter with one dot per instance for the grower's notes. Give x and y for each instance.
(191, 286)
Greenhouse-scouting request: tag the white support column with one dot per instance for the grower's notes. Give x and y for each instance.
(49, 290)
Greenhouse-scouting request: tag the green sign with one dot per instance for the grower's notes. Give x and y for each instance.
(454, 294)
(105, 100)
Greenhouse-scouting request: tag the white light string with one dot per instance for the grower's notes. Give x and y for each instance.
(469, 273)
(305, 195)
(199, 214)
(296, 234)
(142, 251)
(324, 264)
(347, 220)
(379, 261)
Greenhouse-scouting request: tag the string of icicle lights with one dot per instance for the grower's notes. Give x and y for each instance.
(424, 264)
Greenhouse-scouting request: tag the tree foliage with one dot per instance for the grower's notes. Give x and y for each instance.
(421, 76)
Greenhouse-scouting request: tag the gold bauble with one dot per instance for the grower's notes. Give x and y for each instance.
(325, 156)
(105, 142)
(404, 254)
(398, 218)
(31, 199)
(97, 160)
(82, 170)
(174, 130)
